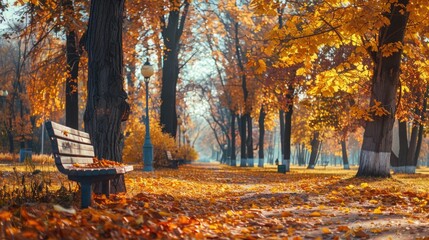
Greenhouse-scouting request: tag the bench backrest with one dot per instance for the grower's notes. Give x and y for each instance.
(69, 146)
(169, 157)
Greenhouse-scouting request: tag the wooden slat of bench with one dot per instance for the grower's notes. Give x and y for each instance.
(98, 171)
(65, 135)
(63, 132)
(69, 130)
(169, 157)
(71, 160)
(66, 147)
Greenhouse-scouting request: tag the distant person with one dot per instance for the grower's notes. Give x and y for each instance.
(277, 161)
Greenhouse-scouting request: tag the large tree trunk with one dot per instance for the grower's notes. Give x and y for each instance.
(106, 103)
(171, 33)
(315, 143)
(344, 154)
(377, 141)
(233, 156)
(262, 115)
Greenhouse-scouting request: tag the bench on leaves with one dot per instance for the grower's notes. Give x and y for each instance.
(173, 163)
(74, 157)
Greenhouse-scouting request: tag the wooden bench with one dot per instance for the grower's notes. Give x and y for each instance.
(72, 151)
(173, 163)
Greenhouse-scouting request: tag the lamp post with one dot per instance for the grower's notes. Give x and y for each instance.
(147, 71)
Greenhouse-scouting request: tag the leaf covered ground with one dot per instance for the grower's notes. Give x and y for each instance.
(211, 201)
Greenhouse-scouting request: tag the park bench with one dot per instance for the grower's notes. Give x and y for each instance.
(74, 156)
(173, 163)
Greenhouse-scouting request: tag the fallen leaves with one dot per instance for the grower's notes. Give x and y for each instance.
(232, 203)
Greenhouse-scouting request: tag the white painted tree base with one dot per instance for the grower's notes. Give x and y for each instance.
(310, 167)
(260, 162)
(347, 166)
(287, 163)
(251, 162)
(374, 164)
(243, 162)
(405, 169)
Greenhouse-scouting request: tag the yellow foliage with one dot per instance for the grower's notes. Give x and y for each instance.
(134, 140)
(187, 153)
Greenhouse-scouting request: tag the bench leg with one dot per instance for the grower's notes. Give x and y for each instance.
(105, 188)
(85, 194)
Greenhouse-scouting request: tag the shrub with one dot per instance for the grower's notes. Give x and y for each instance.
(187, 153)
(9, 158)
(134, 140)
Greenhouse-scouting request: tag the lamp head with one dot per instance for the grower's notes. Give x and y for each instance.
(147, 70)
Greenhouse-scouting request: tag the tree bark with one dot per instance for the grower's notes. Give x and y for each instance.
(282, 133)
(233, 156)
(288, 130)
(403, 143)
(344, 154)
(72, 101)
(262, 115)
(250, 155)
(171, 33)
(245, 118)
(106, 103)
(243, 152)
(421, 128)
(315, 143)
(377, 140)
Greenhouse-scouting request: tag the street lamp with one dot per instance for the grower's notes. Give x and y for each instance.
(147, 71)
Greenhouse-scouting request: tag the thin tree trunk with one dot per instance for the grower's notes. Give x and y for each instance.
(106, 103)
(233, 156)
(344, 154)
(72, 101)
(282, 133)
(410, 166)
(315, 143)
(377, 140)
(250, 155)
(288, 133)
(421, 128)
(243, 153)
(419, 145)
(262, 115)
(244, 118)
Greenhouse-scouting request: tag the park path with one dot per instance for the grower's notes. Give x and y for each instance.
(308, 204)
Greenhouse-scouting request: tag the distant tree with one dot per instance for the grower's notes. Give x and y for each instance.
(172, 26)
